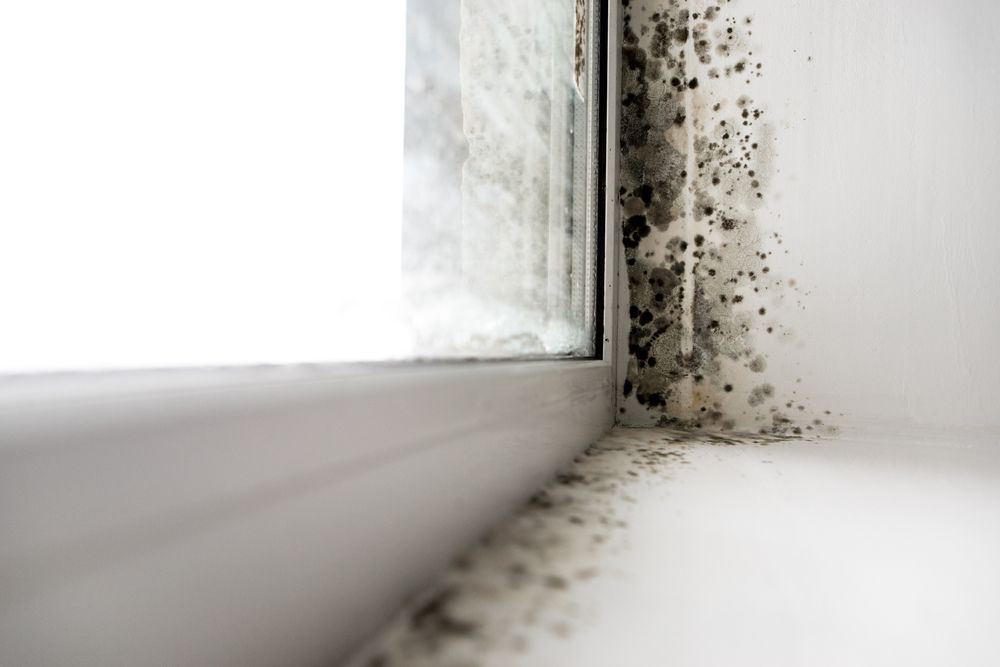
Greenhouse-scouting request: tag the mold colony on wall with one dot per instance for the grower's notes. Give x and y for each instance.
(695, 170)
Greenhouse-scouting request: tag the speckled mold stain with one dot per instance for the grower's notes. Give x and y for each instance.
(580, 45)
(696, 164)
(521, 585)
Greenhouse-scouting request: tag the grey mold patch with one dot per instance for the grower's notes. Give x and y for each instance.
(580, 46)
(759, 395)
(695, 167)
(516, 587)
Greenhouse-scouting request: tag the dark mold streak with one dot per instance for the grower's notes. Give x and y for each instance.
(695, 165)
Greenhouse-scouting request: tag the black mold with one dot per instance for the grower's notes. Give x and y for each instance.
(515, 581)
(700, 284)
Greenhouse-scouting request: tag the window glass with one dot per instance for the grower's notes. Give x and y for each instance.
(212, 183)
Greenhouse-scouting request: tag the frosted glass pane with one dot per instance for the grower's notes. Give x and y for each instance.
(499, 241)
(217, 183)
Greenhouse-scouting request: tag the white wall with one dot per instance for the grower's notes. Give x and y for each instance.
(875, 213)
(888, 155)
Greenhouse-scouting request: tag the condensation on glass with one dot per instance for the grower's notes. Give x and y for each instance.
(499, 233)
(286, 188)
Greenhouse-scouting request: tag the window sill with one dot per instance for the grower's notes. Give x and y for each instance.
(209, 504)
(661, 547)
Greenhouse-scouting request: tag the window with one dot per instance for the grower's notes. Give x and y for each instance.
(217, 183)
(499, 242)
(210, 183)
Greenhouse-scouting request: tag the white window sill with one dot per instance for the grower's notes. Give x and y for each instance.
(662, 548)
(269, 516)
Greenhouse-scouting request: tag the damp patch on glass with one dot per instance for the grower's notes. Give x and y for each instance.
(499, 231)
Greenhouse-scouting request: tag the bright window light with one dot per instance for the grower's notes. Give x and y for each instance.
(215, 183)
(199, 182)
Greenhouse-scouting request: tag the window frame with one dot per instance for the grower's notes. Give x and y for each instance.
(197, 504)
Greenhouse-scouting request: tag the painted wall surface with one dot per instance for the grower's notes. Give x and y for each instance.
(810, 213)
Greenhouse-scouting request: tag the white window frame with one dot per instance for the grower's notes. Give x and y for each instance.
(273, 515)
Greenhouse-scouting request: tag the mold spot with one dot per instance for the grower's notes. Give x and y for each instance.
(696, 150)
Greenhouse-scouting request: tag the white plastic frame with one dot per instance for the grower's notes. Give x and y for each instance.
(271, 516)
